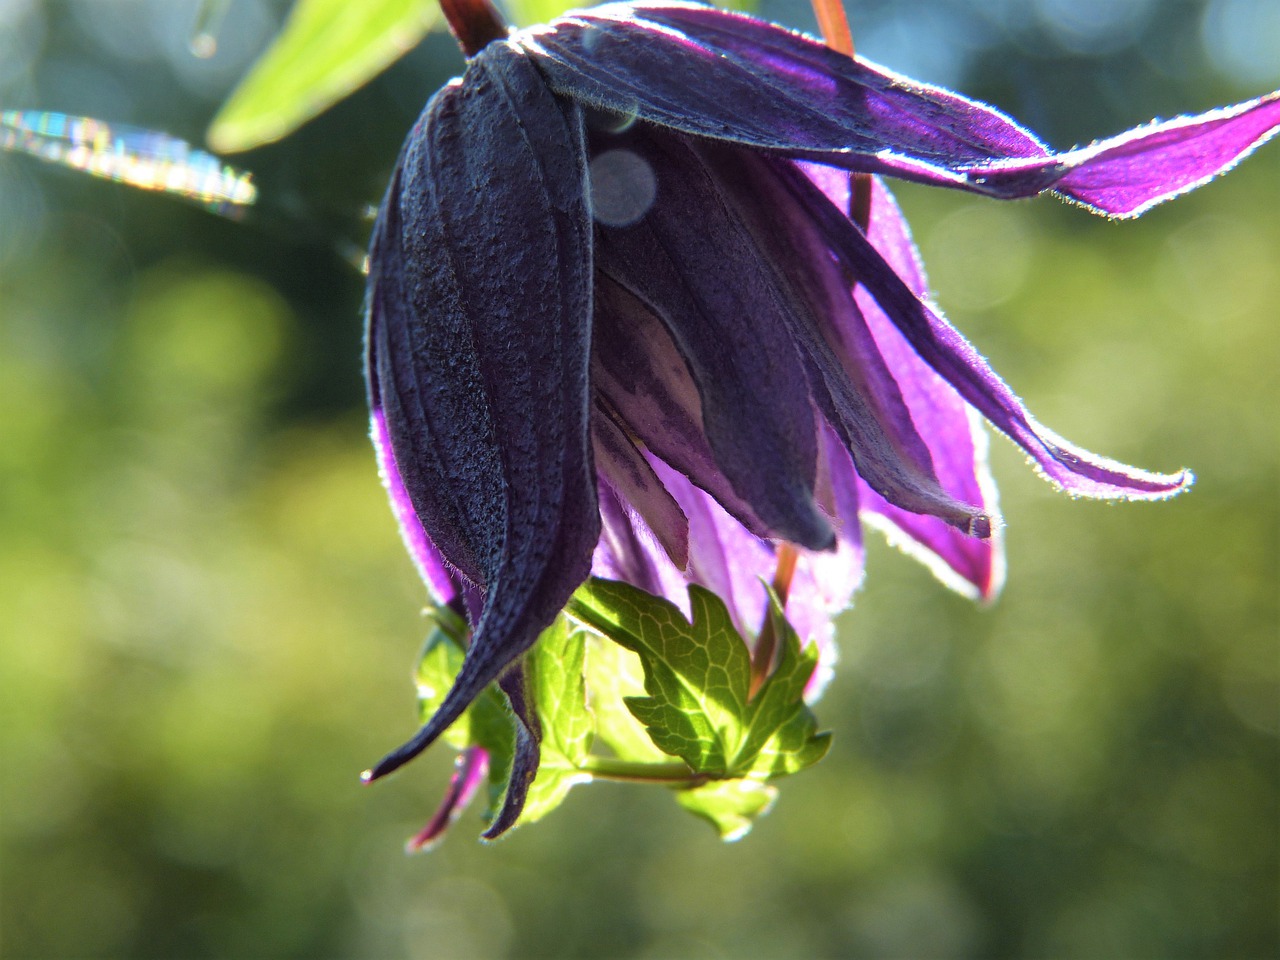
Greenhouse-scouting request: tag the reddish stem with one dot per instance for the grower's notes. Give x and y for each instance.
(767, 642)
(474, 24)
(834, 25)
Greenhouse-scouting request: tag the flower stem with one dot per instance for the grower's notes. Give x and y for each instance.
(474, 24)
(767, 642)
(834, 25)
(674, 774)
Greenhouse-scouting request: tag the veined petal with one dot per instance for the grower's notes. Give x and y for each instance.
(957, 440)
(851, 383)
(637, 369)
(1129, 174)
(943, 348)
(633, 480)
(725, 321)
(823, 583)
(480, 307)
(727, 76)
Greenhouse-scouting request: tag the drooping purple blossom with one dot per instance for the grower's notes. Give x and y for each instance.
(620, 318)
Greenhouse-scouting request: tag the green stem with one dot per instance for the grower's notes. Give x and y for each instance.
(673, 774)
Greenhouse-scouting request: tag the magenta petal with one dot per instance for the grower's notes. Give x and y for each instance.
(629, 551)
(1126, 175)
(944, 349)
(725, 76)
(852, 386)
(469, 772)
(823, 583)
(431, 565)
(957, 441)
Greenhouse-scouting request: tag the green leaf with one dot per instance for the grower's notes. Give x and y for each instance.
(554, 669)
(698, 676)
(327, 49)
(526, 13)
(613, 674)
(782, 735)
(730, 805)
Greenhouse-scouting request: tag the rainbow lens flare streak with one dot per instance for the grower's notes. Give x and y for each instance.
(141, 158)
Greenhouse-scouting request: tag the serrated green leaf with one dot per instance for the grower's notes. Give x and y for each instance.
(782, 736)
(697, 677)
(731, 806)
(613, 674)
(555, 668)
(697, 674)
(327, 50)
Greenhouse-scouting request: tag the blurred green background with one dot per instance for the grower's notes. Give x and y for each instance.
(209, 624)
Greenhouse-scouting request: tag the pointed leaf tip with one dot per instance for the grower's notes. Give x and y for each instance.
(326, 50)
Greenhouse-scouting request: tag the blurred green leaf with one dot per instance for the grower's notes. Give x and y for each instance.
(327, 50)
(555, 676)
(526, 13)
(698, 676)
(730, 805)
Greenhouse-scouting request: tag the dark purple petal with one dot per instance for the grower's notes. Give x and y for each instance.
(469, 772)
(724, 319)
(943, 348)
(431, 565)
(727, 76)
(528, 753)
(853, 387)
(636, 367)
(628, 550)
(633, 480)
(480, 306)
(957, 441)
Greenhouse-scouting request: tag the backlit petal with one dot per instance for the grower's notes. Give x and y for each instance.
(943, 348)
(957, 441)
(727, 76)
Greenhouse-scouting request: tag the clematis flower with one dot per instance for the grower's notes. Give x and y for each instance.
(616, 275)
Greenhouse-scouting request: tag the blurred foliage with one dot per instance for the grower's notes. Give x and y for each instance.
(326, 50)
(210, 626)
